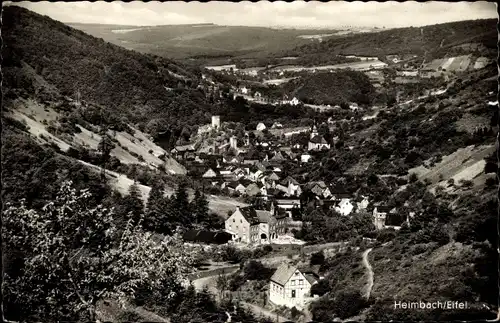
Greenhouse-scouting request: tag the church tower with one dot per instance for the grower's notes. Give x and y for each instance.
(314, 131)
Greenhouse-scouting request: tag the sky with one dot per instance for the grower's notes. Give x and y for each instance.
(297, 14)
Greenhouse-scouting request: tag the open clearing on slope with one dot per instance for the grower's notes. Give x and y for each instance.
(465, 163)
(37, 117)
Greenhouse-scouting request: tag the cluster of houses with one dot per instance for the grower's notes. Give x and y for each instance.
(258, 174)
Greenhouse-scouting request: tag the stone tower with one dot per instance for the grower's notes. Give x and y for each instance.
(233, 142)
(216, 122)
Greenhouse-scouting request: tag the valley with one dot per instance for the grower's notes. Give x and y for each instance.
(213, 173)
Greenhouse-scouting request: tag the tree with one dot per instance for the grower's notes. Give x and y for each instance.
(199, 207)
(134, 204)
(75, 256)
(317, 258)
(155, 207)
(180, 206)
(105, 146)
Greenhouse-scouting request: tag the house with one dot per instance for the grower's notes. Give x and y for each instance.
(288, 205)
(234, 186)
(223, 148)
(210, 173)
(252, 189)
(244, 90)
(363, 204)
(215, 122)
(282, 188)
(249, 225)
(261, 126)
(277, 158)
(305, 158)
(293, 187)
(294, 101)
(184, 152)
(317, 142)
(208, 237)
(290, 287)
(345, 206)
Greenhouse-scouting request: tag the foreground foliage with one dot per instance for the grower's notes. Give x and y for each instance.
(72, 256)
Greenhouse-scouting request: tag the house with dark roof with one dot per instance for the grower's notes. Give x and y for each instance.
(317, 142)
(293, 187)
(184, 152)
(252, 190)
(249, 225)
(208, 237)
(290, 287)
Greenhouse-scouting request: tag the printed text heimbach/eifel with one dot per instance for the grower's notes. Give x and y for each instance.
(446, 305)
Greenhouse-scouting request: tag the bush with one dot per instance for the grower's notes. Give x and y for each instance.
(321, 288)
(317, 258)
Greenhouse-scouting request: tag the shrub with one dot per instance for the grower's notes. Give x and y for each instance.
(317, 258)
(321, 288)
(413, 178)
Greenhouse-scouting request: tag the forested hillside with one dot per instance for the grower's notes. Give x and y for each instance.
(332, 88)
(440, 39)
(126, 83)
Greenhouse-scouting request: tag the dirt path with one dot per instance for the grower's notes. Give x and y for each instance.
(369, 270)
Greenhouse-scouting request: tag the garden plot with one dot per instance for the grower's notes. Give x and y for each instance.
(459, 64)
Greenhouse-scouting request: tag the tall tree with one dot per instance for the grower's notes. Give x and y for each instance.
(199, 207)
(135, 205)
(155, 207)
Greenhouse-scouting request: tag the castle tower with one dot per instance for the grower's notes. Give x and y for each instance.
(379, 221)
(233, 142)
(215, 122)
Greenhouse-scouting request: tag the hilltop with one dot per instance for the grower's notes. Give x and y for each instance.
(202, 42)
(435, 41)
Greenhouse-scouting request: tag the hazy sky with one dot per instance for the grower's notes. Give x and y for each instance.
(295, 14)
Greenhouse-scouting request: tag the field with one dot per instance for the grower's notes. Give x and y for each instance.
(358, 66)
(465, 163)
(457, 64)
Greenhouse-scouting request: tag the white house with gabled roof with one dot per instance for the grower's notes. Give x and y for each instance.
(290, 287)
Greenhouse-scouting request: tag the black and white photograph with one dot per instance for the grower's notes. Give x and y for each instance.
(249, 162)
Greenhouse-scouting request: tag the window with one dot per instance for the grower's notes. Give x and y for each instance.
(293, 282)
(293, 293)
(241, 221)
(233, 220)
(301, 282)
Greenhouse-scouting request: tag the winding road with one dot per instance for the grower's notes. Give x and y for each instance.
(369, 270)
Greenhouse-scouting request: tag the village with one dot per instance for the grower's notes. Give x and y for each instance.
(226, 169)
(253, 170)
